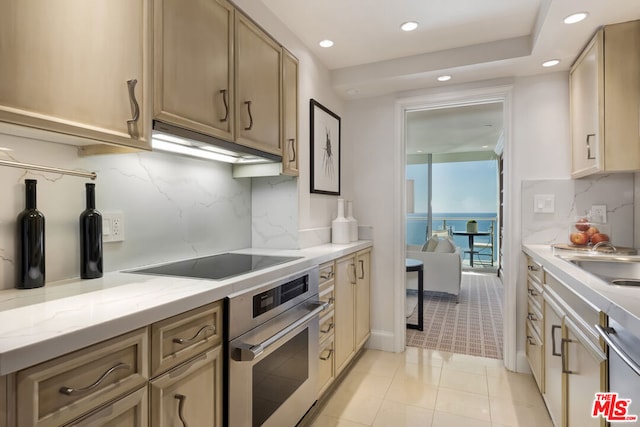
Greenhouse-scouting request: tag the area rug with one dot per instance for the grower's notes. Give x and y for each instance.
(473, 326)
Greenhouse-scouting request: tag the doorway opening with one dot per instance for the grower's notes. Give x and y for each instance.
(454, 199)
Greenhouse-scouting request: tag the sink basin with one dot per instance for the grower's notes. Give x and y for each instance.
(617, 270)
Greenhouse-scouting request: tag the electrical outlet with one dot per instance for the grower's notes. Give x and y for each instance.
(113, 226)
(599, 213)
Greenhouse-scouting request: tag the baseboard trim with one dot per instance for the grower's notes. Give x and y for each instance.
(382, 340)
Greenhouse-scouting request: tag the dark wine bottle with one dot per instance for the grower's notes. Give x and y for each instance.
(30, 251)
(90, 237)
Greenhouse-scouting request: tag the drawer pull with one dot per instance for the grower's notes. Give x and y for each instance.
(533, 268)
(328, 356)
(70, 391)
(329, 328)
(532, 292)
(532, 317)
(530, 340)
(181, 398)
(207, 328)
(327, 275)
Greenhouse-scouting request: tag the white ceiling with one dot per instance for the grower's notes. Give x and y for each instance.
(470, 39)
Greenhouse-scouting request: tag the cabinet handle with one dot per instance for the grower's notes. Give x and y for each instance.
(532, 292)
(70, 391)
(529, 339)
(563, 353)
(293, 149)
(327, 275)
(135, 108)
(532, 317)
(589, 146)
(533, 268)
(328, 356)
(181, 398)
(553, 340)
(326, 331)
(226, 105)
(355, 279)
(248, 104)
(202, 330)
(361, 262)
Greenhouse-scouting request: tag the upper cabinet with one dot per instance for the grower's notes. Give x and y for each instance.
(77, 68)
(258, 79)
(193, 65)
(289, 114)
(605, 95)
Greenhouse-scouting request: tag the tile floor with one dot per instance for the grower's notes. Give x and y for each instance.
(428, 388)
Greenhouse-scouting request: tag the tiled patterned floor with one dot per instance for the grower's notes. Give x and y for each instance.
(430, 388)
(472, 326)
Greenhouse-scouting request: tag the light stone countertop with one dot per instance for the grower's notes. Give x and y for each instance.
(621, 303)
(39, 324)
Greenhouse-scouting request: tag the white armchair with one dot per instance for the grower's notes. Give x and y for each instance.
(442, 270)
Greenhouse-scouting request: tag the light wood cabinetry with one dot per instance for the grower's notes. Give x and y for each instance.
(535, 321)
(77, 68)
(55, 392)
(129, 411)
(553, 393)
(289, 114)
(190, 394)
(326, 293)
(352, 312)
(258, 79)
(4, 394)
(193, 65)
(179, 338)
(605, 108)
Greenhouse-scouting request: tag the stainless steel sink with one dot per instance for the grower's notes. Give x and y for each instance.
(617, 270)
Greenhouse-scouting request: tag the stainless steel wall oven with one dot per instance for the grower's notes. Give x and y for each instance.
(272, 351)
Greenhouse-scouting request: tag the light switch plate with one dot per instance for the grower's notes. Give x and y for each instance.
(544, 203)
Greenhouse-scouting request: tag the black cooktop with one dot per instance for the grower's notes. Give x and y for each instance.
(215, 267)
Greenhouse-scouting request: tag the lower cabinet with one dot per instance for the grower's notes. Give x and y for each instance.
(352, 306)
(553, 395)
(166, 374)
(190, 394)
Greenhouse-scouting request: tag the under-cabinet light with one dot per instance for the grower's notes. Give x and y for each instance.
(186, 150)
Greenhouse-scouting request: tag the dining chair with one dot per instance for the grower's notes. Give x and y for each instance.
(485, 248)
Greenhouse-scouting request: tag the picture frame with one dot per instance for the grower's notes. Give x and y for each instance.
(325, 149)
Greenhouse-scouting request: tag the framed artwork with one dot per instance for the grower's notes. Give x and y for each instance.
(325, 150)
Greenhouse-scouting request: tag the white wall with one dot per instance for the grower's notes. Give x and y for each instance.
(538, 147)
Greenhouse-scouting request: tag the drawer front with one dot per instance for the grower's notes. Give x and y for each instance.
(327, 295)
(178, 338)
(327, 324)
(534, 354)
(60, 390)
(129, 411)
(326, 273)
(535, 271)
(534, 290)
(534, 316)
(326, 368)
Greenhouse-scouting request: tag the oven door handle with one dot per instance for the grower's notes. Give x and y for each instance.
(249, 352)
(606, 334)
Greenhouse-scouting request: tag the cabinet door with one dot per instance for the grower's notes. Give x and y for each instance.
(76, 67)
(553, 394)
(193, 65)
(344, 312)
(326, 369)
(190, 394)
(3, 401)
(363, 297)
(290, 114)
(587, 93)
(583, 363)
(257, 88)
(129, 411)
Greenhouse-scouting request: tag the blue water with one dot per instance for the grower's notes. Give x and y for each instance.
(456, 221)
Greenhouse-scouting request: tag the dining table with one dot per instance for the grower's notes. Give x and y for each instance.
(471, 235)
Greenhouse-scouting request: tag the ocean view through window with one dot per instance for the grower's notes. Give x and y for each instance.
(461, 191)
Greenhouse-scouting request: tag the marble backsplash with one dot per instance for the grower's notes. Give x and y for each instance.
(174, 207)
(573, 198)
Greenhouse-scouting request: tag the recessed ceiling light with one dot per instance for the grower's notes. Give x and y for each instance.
(409, 26)
(485, 146)
(326, 43)
(444, 78)
(551, 63)
(576, 17)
